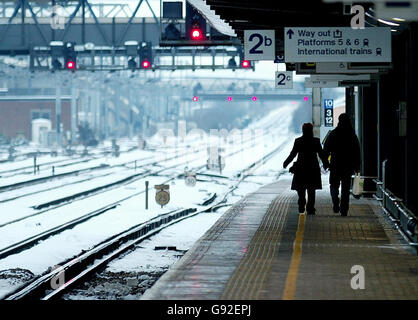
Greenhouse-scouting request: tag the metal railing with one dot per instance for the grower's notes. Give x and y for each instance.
(405, 221)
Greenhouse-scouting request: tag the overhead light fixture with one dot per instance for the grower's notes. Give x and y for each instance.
(399, 19)
(388, 23)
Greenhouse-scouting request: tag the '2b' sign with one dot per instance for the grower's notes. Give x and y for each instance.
(259, 45)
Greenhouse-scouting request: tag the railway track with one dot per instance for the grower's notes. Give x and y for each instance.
(35, 181)
(95, 259)
(91, 260)
(56, 203)
(57, 163)
(30, 242)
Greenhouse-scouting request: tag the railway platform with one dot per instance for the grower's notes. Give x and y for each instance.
(263, 249)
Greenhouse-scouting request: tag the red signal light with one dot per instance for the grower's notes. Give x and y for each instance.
(195, 98)
(196, 34)
(229, 98)
(70, 65)
(245, 64)
(254, 98)
(145, 64)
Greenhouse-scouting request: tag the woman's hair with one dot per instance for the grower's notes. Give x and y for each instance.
(307, 129)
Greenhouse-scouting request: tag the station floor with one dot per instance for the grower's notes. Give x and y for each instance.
(263, 249)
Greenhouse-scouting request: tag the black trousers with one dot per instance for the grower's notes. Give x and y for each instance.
(335, 180)
(310, 206)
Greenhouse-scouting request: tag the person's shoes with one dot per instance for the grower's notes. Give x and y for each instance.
(310, 212)
(336, 208)
(301, 209)
(343, 213)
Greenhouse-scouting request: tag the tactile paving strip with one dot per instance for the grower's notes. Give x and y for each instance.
(206, 269)
(251, 275)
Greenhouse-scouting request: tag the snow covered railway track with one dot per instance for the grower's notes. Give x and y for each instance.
(28, 169)
(31, 182)
(32, 241)
(26, 183)
(56, 203)
(27, 243)
(57, 163)
(96, 259)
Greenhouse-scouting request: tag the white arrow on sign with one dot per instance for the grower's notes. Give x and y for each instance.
(284, 80)
(259, 45)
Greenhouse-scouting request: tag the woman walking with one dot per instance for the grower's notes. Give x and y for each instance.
(306, 170)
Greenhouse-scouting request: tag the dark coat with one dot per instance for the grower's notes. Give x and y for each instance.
(308, 173)
(343, 146)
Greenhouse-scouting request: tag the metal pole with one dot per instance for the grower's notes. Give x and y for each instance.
(23, 10)
(116, 100)
(58, 109)
(52, 29)
(316, 111)
(83, 21)
(34, 164)
(146, 194)
(106, 120)
(379, 130)
(73, 113)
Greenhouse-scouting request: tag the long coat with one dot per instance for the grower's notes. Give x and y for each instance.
(308, 174)
(343, 146)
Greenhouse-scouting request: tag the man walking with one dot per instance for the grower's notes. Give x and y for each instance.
(344, 147)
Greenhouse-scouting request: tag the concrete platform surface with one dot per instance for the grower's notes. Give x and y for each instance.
(263, 249)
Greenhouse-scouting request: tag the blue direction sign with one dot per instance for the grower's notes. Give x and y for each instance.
(337, 44)
(329, 112)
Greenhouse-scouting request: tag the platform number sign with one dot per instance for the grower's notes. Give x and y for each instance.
(284, 80)
(329, 112)
(259, 45)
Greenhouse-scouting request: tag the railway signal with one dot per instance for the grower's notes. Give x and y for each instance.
(70, 56)
(195, 24)
(145, 56)
(145, 64)
(245, 64)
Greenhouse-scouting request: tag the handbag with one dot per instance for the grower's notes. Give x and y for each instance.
(294, 168)
(358, 184)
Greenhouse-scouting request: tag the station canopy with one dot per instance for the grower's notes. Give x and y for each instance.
(276, 15)
(214, 20)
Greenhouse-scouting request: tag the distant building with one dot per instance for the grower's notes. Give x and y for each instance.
(18, 112)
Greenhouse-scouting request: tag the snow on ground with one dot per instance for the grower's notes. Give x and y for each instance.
(145, 258)
(63, 246)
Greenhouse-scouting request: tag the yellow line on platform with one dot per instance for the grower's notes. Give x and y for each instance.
(290, 285)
